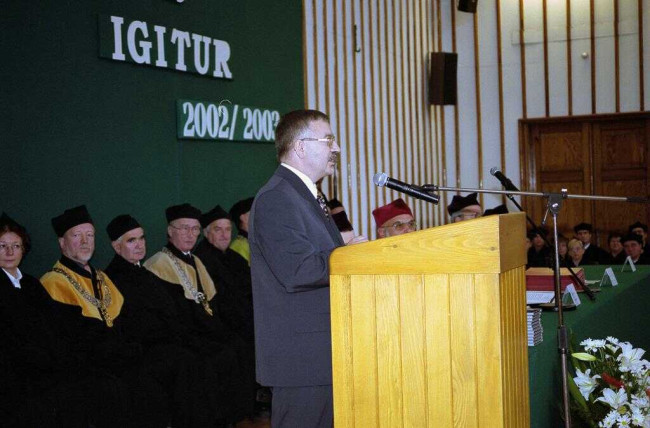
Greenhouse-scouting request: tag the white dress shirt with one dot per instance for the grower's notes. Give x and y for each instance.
(14, 280)
(310, 184)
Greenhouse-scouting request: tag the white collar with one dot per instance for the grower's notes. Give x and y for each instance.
(14, 280)
(310, 184)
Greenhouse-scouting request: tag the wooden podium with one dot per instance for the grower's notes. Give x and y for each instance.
(429, 328)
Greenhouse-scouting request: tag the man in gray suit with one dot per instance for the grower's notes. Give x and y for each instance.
(291, 237)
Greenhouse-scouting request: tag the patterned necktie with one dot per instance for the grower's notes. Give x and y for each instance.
(323, 204)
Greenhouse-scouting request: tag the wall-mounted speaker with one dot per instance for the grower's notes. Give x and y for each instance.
(442, 78)
(467, 5)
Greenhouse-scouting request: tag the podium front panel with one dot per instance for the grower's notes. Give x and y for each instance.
(430, 350)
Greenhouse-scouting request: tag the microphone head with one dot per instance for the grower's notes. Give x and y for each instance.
(494, 170)
(380, 179)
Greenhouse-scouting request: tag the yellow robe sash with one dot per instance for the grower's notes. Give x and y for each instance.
(163, 266)
(62, 290)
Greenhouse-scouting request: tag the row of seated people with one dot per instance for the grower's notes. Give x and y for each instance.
(580, 251)
(167, 342)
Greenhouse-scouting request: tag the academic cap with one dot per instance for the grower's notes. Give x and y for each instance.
(583, 226)
(499, 209)
(388, 211)
(632, 237)
(461, 202)
(70, 218)
(241, 207)
(120, 225)
(182, 211)
(637, 225)
(215, 213)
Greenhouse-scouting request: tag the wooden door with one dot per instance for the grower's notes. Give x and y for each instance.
(591, 155)
(620, 169)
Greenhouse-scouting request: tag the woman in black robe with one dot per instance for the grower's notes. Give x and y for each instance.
(41, 383)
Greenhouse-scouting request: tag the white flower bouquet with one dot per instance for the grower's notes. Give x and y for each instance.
(612, 384)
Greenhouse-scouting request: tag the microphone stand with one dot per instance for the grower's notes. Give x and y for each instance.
(554, 203)
(575, 277)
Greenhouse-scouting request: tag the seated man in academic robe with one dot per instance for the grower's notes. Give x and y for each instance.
(395, 218)
(239, 214)
(617, 253)
(340, 217)
(641, 230)
(149, 318)
(88, 318)
(633, 245)
(186, 279)
(594, 255)
(464, 208)
(229, 271)
(539, 254)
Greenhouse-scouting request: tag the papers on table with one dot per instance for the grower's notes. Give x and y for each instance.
(537, 297)
(534, 322)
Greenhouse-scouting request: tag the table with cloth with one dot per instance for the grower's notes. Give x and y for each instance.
(620, 311)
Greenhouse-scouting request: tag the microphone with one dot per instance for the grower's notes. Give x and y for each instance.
(382, 179)
(505, 181)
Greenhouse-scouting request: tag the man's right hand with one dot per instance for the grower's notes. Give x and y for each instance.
(357, 240)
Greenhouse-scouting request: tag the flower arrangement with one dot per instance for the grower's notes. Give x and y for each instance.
(612, 384)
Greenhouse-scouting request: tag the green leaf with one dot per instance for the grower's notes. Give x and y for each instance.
(583, 356)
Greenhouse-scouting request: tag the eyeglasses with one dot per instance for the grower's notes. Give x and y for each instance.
(465, 215)
(195, 230)
(329, 140)
(398, 226)
(5, 247)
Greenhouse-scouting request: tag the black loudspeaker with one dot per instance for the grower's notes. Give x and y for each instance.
(442, 80)
(467, 5)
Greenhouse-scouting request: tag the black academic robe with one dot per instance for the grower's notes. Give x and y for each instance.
(232, 277)
(541, 258)
(126, 390)
(619, 259)
(41, 384)
(583, 262)
(230, 360)
(644, 259)
(149, 318)
(595, 255)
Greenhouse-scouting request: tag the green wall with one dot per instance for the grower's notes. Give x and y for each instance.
(80, 129)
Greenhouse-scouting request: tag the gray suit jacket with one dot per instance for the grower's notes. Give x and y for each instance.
(291, 240)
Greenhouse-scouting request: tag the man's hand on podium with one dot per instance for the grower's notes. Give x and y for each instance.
(357, 240)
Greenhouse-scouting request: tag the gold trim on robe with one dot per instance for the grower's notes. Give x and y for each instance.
(163, 267)
(61, 290)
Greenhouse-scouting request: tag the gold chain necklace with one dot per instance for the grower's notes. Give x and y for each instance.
(197, 296)
(101, 305)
